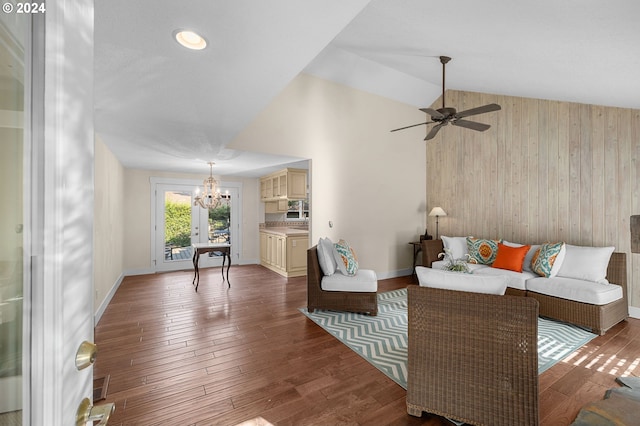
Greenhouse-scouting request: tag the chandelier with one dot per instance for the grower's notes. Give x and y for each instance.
(210, 197)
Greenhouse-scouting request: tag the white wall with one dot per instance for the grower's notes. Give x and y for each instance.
(109, 220)
(369, 182)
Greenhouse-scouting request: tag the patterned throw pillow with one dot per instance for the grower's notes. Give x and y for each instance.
(546, 257)
(345, 258)
(482, 251)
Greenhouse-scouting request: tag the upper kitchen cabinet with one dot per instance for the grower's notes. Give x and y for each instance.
(289, 184)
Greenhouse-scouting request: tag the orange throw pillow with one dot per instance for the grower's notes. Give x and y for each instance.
(510, 258)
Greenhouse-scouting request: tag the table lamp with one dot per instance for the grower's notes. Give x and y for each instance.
(437, 212)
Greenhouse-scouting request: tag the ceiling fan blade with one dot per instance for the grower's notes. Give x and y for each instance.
(435, 129)
(481, 127)
(478, 110)
(413, 125)
(432, 112)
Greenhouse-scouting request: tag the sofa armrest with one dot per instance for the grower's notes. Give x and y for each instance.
(617, 272)
(314, 272)
(430, 251)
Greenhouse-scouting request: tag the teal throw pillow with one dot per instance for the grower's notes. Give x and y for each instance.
(547, 256)
(482, 251)
(345, 258)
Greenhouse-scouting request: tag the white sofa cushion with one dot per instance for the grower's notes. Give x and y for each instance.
(457, 245)
(441, 264)
(515, 280)
(586, 263)
(577, 290)
(326, 258)
(365, 281)
(436, 278)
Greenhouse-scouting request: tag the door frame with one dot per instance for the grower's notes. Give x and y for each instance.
(236, 244)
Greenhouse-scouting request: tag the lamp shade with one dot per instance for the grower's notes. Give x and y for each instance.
(437, 211)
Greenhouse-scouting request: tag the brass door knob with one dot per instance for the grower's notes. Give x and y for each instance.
(86, 355)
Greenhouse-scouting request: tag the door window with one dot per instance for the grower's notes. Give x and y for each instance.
(177, 225)
(220, 222)
(11, 226)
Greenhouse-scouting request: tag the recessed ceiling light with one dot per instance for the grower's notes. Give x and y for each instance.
(190, 39)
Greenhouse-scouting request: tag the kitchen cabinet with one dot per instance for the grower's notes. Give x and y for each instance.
(287, 184)
(284, 254)
(279, 206)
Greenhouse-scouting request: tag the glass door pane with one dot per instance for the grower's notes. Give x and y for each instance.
(12, 153)
(177, 226)
(220, 222)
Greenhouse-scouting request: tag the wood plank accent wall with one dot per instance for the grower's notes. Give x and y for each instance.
(544, 171)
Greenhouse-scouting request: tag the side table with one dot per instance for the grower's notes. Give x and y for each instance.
(199, 248)
(417, 249)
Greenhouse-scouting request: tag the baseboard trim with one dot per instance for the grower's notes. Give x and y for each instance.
(395, 274)
(107, 300)
(634, 312)
(144, 271)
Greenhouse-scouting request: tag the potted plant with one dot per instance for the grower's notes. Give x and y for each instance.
(456, 265)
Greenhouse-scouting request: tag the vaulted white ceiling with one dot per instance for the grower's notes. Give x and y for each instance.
(160, 106)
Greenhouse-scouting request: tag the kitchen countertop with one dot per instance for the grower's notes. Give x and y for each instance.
(287, 232)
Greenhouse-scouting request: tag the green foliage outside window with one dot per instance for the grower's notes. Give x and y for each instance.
(220, 213)
(177, 225)
(219, 223)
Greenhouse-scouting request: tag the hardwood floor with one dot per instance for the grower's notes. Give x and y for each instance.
(246, 354)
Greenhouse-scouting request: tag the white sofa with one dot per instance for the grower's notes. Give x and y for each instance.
(586, 286)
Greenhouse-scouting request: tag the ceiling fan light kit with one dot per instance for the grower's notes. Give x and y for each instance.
(445, 115)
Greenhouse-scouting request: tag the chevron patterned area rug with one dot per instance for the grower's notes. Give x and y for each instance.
(382, 340)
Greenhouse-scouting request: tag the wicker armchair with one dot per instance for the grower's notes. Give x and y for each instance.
(472, 357)
(334, 300)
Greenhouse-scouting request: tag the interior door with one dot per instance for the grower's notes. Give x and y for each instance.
(46, 239)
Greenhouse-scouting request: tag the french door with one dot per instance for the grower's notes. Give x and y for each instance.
(178, 224)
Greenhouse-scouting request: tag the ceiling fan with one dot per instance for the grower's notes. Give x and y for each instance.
(443, 116)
